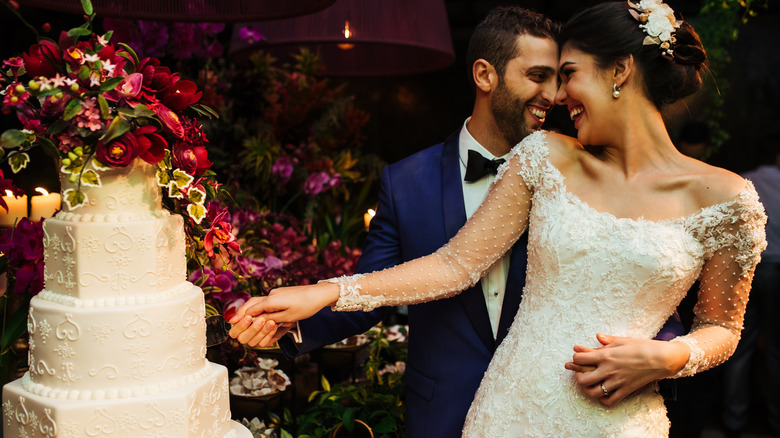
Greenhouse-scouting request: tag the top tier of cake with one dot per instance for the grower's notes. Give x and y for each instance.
(126, 194)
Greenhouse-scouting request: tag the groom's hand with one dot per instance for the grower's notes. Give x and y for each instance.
(255, 331)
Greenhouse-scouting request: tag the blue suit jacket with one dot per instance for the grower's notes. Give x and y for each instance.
(451, 341)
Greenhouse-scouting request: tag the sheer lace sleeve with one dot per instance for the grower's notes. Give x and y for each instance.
(489, 233)
(733, 237)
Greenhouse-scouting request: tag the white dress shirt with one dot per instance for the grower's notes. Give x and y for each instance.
(494, 281)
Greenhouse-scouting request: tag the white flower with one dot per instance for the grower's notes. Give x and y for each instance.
(659, 26)
(649, 4)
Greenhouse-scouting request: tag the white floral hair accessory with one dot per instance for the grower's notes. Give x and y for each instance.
(657, 20)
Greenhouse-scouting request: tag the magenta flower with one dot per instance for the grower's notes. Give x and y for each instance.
(25, 255)
(319, 182)
(283, 168)
(130, 86)
(251, 34)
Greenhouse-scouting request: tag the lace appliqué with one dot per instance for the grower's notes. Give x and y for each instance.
(350, 298)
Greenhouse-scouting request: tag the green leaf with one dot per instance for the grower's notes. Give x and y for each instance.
(84, 72)
(49, 148)
(196, 196)
(104, 114)
(182, 178)
(143, 111)
(117, 127)
(197, 212)
(58, 126)
(87, 5)
(163, 178)
(18, 161)
(16, 325)
(325, 384)
(74, 198)
(12, 138)
(131, 52)
(108, 35)
(79, 31)
(129, 112)
(286, 434)
(348, 419)
(110, 84)
(90, 178)
(72, 109)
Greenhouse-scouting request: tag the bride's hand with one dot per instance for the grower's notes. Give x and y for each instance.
(623, 365)
(258, 320)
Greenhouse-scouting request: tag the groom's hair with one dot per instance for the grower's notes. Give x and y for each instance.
(494, 39)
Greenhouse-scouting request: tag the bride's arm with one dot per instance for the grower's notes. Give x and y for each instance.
(724, 287)
(624, 365)
(489, 233)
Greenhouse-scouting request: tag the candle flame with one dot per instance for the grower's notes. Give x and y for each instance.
(371, 212)
(9, 193)
(347, 35)
(346, 32)
(42, 191)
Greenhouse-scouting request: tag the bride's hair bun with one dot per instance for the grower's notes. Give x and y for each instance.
(609, 32)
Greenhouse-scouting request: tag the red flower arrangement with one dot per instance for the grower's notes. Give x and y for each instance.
(95, 105)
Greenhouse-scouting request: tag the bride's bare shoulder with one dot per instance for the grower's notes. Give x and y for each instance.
(564, 150)
(715, 185)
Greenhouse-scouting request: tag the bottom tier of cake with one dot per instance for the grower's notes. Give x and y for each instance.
(198, 410)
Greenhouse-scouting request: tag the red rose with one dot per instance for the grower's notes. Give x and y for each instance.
(169, 119)
(156, 78)
(183, 157)
(151, 145)
(118, 153)
(38, 61)
(202, 156)
(181, 95)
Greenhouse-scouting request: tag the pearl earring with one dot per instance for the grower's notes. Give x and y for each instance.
(615, 91)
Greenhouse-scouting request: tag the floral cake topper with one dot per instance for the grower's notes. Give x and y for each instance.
(93, 105)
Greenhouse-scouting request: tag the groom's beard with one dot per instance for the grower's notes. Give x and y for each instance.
(509, 111)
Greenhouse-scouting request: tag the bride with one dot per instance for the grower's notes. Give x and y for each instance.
(619, 230)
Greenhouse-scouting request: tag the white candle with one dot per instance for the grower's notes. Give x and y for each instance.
(368, 216)
(17, 209)
(44, 205)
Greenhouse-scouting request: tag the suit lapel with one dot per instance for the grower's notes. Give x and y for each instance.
(454, 210)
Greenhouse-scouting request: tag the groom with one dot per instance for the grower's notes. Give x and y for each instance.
(424, 200)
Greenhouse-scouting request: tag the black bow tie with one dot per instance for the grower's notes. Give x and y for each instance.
(479, 166)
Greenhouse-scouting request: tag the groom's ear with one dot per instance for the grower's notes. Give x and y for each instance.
(622, 69)
(484, 75)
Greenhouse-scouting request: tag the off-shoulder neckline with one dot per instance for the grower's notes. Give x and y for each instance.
(720, 207)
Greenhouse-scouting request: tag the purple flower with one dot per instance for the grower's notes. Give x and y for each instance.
(319, 182)
(251, 34)
(283, 168)
(217, 282)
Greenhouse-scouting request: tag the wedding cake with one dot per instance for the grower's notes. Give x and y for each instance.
(117, 336)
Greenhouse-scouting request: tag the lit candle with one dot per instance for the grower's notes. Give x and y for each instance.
(347, 35)
(17, 209)
(44, 205)
(368, 216)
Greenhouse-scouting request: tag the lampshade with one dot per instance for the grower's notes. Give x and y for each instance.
(189, 10)
(361, 37)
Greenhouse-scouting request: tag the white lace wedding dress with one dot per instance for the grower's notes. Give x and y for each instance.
(588, 272)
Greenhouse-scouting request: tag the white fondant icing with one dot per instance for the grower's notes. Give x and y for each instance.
(117, 338)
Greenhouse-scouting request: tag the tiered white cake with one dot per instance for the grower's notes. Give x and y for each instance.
(117, 337)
